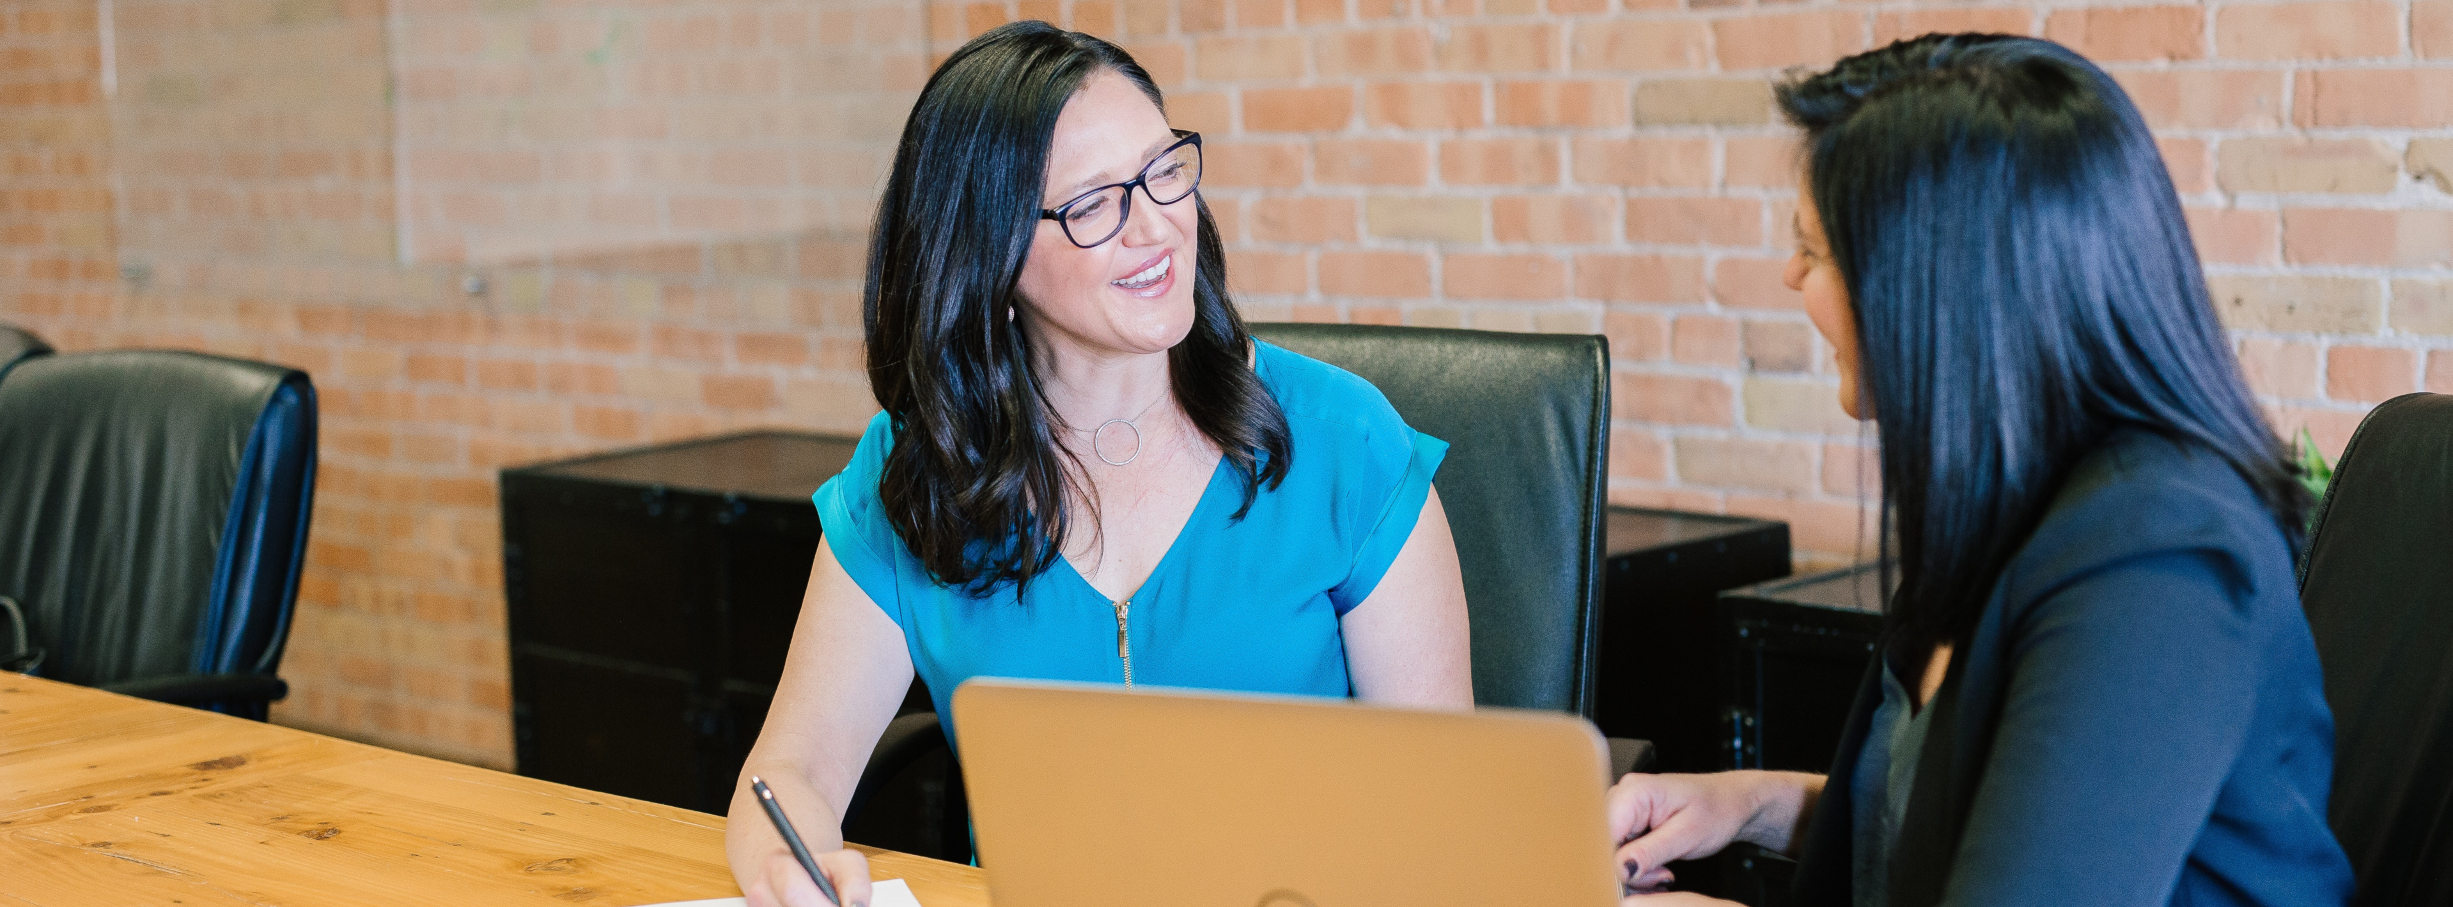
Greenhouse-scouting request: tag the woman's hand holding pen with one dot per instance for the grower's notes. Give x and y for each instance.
(771, 875)
(780, 881)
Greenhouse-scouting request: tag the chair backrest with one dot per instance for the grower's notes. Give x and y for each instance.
(2377, 582)
(18, 345)
(1526, 418)
(155, 512)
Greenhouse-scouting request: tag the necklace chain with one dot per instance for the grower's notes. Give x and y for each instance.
(1127, 423)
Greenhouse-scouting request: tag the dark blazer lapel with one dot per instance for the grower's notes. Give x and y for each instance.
(1950, 766)
(1824, 871)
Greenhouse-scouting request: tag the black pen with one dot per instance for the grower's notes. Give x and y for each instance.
(775, 811)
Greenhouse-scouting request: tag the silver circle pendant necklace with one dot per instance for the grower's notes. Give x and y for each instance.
(1101, 431)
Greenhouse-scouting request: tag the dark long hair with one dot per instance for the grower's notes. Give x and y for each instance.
(976, 484)
(2024, 284)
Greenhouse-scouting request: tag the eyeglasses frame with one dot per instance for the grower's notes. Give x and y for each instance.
(1124, 210)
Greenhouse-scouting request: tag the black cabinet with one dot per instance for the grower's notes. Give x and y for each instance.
(652, 595)
(1663, 639)
(1795, 651)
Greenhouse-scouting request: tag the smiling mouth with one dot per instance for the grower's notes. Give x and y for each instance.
(1150, 276)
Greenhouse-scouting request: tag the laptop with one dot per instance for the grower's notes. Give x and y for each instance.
(1096, 796)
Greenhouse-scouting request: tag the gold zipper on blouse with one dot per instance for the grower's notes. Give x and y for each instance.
(1124, 638)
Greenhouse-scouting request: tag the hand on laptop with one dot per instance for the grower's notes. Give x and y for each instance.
(1660, 818)
(780, 881)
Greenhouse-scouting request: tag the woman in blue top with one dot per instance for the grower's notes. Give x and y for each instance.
(1085, 468)
(2097, 686)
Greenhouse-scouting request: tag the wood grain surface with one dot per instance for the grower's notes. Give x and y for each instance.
(108, 800)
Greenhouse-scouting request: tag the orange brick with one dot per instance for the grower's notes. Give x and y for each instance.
(1197, 16)
(1638, 454)
(2207, 99)
(2337, 30)
(1498, 48)
(2279, 368)
(1475, 276)
(1261, 13)
(2359, 236)
(1672, 399)
(2374, 97)
(1381, 52)
(1889, 27)
(2236, 236)
(1372, 162)
(1499, 162)
(1778, 346)
(784, 349)
(1695, 221)
(2431, 34)
(506, 375)
(1200, 111)
(1298, 109)
(1563, 103)
(739, 391)
(1424, 105)
(1378, 274)
(1314, 12)
(1244, 164)
(2366, 374)
(1704, 340)
(1636, 336)
(1753, 283)
(1649, 163)
(1639, 278)
(1779, 40)
(1851, 471)
(2131, 33)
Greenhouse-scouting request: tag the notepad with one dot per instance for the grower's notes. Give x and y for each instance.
(883, 893)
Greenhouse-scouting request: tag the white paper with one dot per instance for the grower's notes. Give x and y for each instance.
(886, 893)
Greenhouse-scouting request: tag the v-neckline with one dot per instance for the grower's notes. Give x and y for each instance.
(1165, 559)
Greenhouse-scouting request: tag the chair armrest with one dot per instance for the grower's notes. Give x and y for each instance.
(189, 688)
(906, 739)
(1630, 755)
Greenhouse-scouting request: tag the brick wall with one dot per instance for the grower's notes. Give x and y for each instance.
(504, 231)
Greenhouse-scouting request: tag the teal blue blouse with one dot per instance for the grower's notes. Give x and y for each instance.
(1248, 605)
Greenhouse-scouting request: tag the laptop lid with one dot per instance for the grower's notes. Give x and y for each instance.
(1095, 796)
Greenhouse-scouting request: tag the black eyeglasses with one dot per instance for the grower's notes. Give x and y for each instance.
(1096, 216)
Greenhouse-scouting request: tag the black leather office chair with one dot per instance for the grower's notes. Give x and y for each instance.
(2378, 585)
(18, 345)
(1526, 417)
(153, 521)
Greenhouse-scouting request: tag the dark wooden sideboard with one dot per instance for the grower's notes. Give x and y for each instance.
(652, 595)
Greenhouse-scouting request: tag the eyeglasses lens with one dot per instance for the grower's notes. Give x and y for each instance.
(1100, 216)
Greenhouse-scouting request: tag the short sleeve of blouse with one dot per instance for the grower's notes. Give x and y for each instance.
(1372, 471)
(1408, 488)
(854, 520)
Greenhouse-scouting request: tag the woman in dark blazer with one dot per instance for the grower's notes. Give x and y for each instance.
(2096, 685)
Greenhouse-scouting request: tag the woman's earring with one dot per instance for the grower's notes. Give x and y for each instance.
(1009, 313)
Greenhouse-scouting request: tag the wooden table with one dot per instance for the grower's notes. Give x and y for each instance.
(107, 800)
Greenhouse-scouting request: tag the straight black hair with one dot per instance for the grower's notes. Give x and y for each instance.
(2024, 284)
(976, 483)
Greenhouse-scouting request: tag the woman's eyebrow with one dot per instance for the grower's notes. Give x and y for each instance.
(1147, 155)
